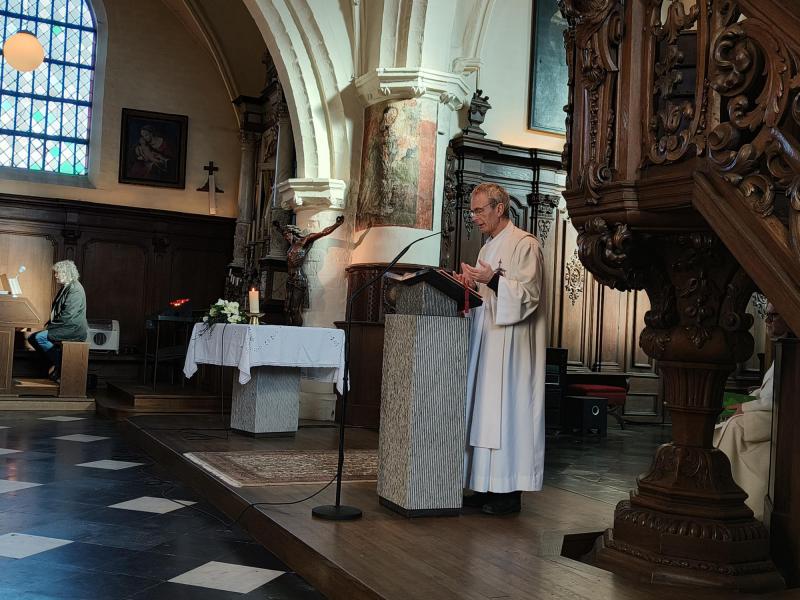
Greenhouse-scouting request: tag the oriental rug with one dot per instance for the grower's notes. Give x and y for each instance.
(284, 467)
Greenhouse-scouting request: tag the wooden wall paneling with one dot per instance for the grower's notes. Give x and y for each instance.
(575, 302)
(184, 282)
(639, 360)
(555, 281)
(644, 401)
(125, 255)
(38, 252)
(613, 325)
(366, 374)
(547, 236)
(782, 504)
(6, 359)
(115, 275)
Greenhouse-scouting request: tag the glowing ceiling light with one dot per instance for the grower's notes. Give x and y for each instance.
(23, 51)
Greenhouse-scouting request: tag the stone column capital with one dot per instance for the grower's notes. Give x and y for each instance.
(249, 138)
(312, 194)
(400, 83)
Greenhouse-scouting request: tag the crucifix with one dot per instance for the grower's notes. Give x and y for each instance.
(211, 187)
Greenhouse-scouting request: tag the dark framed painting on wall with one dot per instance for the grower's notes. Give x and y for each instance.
(549, 75)
(153, 148)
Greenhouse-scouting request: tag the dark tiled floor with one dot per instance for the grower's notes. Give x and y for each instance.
(113, 553)
(604, 469)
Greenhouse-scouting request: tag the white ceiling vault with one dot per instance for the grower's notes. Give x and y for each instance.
(230, 35)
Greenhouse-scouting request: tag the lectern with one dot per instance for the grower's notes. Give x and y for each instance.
(15, 311)
(423, 396)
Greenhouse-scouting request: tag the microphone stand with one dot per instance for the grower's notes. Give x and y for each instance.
(338, 511)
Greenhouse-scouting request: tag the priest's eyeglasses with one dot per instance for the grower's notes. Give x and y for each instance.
(479, 211)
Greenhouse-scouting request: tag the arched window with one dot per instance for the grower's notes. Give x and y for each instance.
(45, 114)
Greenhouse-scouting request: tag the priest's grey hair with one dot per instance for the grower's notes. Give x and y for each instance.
(496, 194)
(66, 271)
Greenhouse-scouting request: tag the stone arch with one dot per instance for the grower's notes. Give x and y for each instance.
(314, 64)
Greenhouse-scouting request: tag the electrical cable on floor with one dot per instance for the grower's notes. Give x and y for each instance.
(249, 506)
(244, 510)
(172, 485)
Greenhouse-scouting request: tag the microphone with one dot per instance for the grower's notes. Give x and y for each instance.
(406, 249)
(338, 512)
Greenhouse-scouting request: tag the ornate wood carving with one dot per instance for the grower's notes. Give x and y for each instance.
(718, 82)
(698, 329)
(760, 305)
(596, 66)
(677, 115)
(569, 49)
(574, 278)
(756, 149)
(449, 209)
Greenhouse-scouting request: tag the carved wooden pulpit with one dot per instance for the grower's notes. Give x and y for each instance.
(684, 181)
(14, 312)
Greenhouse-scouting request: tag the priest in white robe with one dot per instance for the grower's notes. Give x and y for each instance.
(745, 437)
(506, 376)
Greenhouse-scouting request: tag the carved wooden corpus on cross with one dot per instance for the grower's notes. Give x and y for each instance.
(210, 186)
(676, 207)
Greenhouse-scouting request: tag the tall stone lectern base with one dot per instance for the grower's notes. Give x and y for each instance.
(423, 426)
(268, 405)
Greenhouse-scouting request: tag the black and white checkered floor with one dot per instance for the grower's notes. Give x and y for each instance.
(83, 515)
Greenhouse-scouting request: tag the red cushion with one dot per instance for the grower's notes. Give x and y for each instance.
(614, 394)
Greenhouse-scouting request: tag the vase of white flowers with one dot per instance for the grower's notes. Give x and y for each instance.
(223, 311)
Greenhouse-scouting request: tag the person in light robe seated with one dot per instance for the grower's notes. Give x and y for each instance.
(67, 317)
(505, 388)
(745, 436)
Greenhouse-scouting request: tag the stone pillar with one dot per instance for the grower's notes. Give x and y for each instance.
(247, 182)
(686, 523)
(408, 115)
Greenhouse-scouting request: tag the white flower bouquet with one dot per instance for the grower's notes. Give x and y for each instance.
(223, 311)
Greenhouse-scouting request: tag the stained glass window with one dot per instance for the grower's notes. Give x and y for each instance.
(45, 114)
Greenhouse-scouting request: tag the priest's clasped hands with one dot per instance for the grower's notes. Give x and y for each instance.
(471, 276)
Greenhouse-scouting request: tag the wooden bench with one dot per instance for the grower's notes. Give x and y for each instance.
(74, 369)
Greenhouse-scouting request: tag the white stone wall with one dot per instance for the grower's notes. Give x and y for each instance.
(152, 63)
(505, 76)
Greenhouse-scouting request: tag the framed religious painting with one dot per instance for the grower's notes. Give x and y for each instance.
(548, 93)
(153, 148)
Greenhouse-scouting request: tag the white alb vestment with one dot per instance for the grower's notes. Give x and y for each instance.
(505, 388)
(745, 439)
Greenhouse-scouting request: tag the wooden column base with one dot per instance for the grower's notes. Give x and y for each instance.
(662, 567)
(687, 524)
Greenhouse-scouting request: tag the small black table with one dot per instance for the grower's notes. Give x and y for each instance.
(180, 328)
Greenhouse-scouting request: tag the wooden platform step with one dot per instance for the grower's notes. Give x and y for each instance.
(48, 404)
(123, 400)
(35, 387)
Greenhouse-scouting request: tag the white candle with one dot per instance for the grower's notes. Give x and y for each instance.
(252, 297)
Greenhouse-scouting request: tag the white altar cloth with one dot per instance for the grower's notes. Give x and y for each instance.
(317, 351)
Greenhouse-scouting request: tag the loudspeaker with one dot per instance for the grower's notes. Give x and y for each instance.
(587, 414)
(103, 335)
